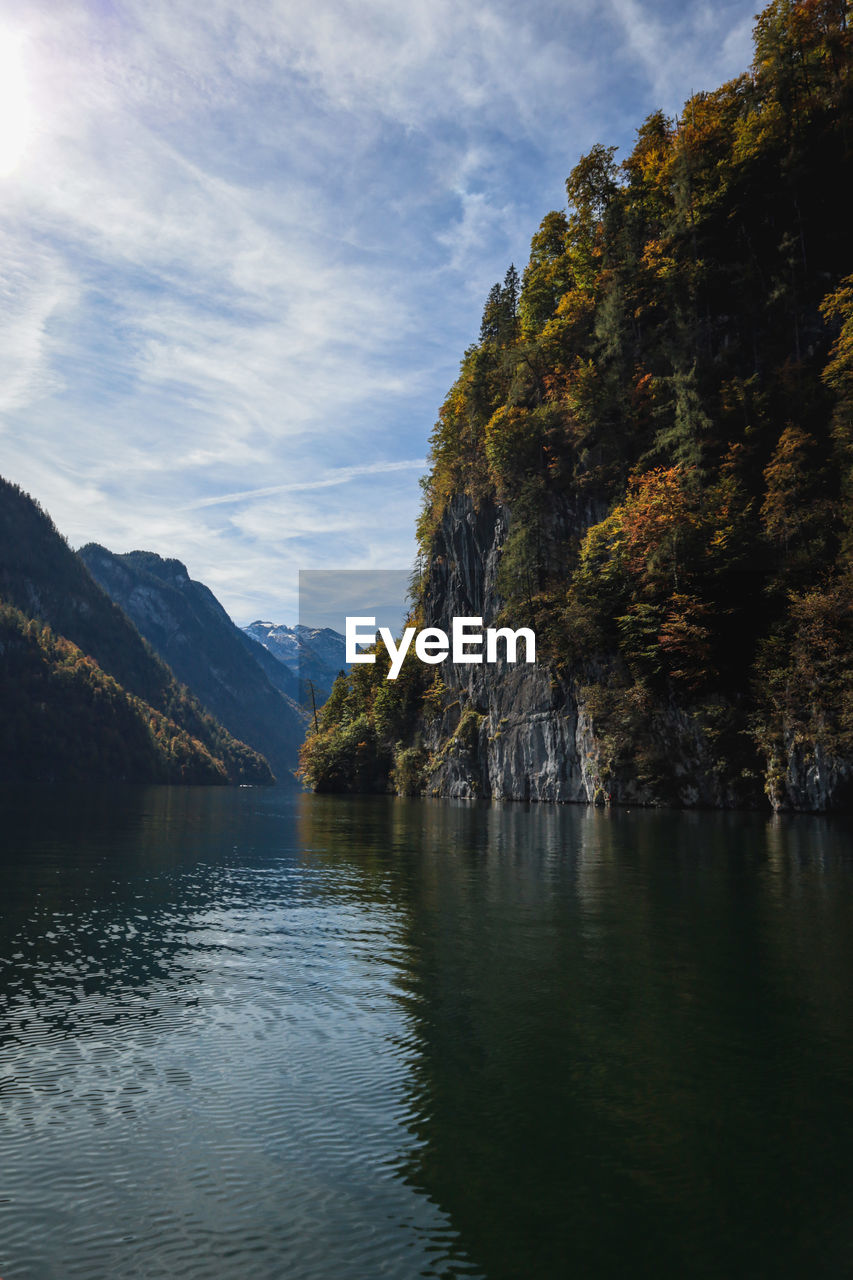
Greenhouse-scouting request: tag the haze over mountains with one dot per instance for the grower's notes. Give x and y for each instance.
(122, 667)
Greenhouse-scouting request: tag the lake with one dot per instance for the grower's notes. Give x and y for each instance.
(260, 1034)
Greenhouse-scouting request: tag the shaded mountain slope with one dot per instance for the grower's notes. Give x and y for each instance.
(65, 720)
(189, 629)
(279, 675)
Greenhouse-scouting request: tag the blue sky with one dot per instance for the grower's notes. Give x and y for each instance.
(244, 245)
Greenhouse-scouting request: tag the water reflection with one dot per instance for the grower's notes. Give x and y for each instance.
(630, 1032)
(253, 1032)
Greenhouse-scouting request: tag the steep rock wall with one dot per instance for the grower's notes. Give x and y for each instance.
(521, 732)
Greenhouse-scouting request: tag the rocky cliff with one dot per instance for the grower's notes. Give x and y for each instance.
(656, 480)
(539, 732)
(544, 732)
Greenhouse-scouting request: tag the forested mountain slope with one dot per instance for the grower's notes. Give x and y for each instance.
(648, 457)
(65, 720)
(79, 638)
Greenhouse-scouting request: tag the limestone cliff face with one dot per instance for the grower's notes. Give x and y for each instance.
(509, 731)
(523, 732)
(806, 777)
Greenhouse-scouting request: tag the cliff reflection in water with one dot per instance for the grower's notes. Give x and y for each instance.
(628, 1028)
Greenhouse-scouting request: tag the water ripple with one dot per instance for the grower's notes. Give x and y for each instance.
(197, 1065)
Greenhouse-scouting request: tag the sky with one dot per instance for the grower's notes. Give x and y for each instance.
(244, 244)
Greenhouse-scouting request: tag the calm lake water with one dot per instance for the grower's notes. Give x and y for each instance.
(250, 1034)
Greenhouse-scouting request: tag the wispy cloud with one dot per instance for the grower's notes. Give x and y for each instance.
(343, 475)
(679, 50)
(34, 286)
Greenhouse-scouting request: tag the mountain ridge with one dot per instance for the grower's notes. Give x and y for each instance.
(315, 655)
(49, 590)
(191, 631)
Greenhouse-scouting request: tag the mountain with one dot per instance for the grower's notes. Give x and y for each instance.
(647, 457)
(276, 672)
(65, 642)
(187, 626)
(315, 654)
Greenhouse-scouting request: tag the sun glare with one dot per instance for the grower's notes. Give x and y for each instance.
(14, 103)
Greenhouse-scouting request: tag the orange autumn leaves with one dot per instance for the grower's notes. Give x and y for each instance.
(653, 567)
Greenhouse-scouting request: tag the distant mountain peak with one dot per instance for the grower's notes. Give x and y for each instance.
(313, 654)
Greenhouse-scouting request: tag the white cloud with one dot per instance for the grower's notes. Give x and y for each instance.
(479, 221)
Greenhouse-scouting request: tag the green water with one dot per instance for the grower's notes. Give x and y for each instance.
(259, 1035)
